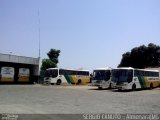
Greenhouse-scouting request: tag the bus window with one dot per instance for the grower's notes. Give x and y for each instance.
(51, 73)
(61, 72)
(102, 74)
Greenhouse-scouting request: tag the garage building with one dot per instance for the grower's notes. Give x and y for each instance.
(18, 69)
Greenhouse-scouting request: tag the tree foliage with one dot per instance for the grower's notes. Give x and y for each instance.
(142, 57)
(53, 55)
(52, 62)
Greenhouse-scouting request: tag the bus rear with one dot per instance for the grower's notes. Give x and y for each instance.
(23, 75)
(7, 74)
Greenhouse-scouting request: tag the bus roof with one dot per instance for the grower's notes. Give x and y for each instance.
(51, 68)
(130, 68)
(66, 69)
(107, 68)
(125, 68)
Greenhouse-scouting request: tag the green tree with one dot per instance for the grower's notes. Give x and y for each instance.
(142, 57)
(53, 55)
(47, 63)
(52, 62)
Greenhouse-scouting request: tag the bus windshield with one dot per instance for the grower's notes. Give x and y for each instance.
(51, 73)
(101, 74)
(122, 75)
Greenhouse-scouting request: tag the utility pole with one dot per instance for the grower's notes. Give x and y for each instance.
(39, 45)
(39, 34)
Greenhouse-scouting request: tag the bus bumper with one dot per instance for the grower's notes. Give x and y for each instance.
(123, 87)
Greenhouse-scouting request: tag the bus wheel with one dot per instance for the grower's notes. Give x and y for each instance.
(100, 88)
(79, 82)
(59, 82)
(133, 87)
(120, 90)
(110, 86)
(151, 86)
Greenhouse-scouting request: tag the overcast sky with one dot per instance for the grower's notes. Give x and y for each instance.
(89, 33)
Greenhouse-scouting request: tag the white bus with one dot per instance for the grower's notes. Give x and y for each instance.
(23, 75)
(102, 78)
(131, 78)
(70, 76)
(7, 74)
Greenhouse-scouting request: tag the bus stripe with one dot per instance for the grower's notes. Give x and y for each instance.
(67, 78)
(71, 79)
(142, 82)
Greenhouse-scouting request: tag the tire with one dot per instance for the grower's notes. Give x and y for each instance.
(100, 88)
(119, 90)
(79, 82)
(110, 86)
(52, 83)
(133, 87)
(58, 82)
(151, 86)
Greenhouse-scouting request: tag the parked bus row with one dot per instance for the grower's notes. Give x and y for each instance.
(126, 78)
(120, 78)
(8, 74)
